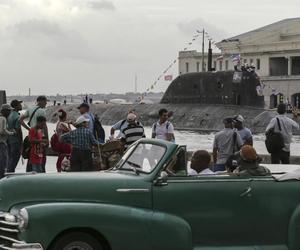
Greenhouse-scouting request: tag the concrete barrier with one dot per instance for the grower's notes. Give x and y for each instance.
(266, 159)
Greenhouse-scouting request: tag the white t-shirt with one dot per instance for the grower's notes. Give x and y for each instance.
(162, 130)
(287, 127)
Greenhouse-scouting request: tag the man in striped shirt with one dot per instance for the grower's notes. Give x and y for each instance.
(133, 132)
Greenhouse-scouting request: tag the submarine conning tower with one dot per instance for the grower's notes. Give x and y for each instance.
(223, 87)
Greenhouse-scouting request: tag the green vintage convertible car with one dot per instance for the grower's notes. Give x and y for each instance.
(138, 206)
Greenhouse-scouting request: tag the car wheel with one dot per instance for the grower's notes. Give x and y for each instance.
(77, 241)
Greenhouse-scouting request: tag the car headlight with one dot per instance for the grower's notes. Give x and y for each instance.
(10, 218)
(23, 218)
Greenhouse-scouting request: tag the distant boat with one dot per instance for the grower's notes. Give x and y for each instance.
(119, 101)
(146, 101)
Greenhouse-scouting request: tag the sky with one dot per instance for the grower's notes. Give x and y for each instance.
(98, 46)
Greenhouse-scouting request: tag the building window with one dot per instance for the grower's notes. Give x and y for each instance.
(278, 66)
(226, 65)
(295, 65)
(258, 64)
(245, 61)
(215, 65)
(220, 65)
(251, 61)
(198, 66)
(187, 67)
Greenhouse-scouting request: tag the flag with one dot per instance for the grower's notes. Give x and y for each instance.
(235, 58)
(168, 77)
(220, 58)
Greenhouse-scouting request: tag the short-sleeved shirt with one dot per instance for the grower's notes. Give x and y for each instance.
(224, 143)
(80, 138)
(36, 149)
(120, 125)
(287, 126)
(132, 133)
(161, 130)
(245, 134)
(39, 112)
(14, 124)
(90, 116)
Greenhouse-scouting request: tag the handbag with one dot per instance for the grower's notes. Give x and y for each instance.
(274, 140)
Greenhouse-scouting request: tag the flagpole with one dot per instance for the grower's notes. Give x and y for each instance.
(203, 67)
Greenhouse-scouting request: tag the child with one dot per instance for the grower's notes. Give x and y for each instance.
(37, 144)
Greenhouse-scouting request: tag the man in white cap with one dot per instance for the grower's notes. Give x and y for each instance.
(133, 132)
(244, 132)
(4, 134)
(82, 141)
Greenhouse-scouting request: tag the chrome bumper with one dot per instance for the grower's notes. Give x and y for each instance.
(9, 237)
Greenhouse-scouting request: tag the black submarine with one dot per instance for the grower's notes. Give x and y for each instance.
(236, 87)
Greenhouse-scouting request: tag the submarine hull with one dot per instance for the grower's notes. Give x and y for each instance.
(226, 88)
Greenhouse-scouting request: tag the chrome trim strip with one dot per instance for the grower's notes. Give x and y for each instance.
(5, 248)
(25, 246)
(11, 239)
(10, 230)
(132, 190)
(9, 223)
(210, 180)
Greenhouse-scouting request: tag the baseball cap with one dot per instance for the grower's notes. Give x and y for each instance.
(81, 119)
(83, 105)
(131, 117)
(228, 120)
(239, 118)
(15, 103)
(6, 107)
(41, 98)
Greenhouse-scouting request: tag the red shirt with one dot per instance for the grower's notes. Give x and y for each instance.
(36, 150)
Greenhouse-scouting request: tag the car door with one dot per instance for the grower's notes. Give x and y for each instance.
(216, 207)
(274, 203)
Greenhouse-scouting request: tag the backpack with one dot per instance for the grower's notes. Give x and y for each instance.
(26, 148)
(274, 140)
(99, 132)
(26, 143)
(54, 142)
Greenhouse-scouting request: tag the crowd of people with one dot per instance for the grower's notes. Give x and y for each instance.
(76, 142)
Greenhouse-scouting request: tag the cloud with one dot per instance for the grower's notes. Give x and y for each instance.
(189, 27)
(36, 27)
(45, 38)
(100, 5)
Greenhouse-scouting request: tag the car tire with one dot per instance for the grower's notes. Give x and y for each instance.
(77, 241)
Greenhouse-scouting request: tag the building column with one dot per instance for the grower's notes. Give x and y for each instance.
(289, 65)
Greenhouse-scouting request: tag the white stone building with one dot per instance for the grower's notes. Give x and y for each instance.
(273, 49)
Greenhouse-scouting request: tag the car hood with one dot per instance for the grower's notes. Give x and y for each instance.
(97, 187)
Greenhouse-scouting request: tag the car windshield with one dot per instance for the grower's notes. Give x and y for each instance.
(142, 158)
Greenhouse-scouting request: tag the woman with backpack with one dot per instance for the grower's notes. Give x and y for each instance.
(63, 149)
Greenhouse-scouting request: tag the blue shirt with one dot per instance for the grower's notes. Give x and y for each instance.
(80, 138)
(90, 116)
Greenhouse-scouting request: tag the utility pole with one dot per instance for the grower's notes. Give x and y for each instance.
(203, 66)
(29, 92)
(135, 84)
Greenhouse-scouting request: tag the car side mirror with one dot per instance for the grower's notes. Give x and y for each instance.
(162, 180)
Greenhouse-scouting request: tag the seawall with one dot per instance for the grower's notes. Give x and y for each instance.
(195, 117)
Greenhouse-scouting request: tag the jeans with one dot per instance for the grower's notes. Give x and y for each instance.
(37, 168)
(219, 167)
(282, 157)
(29, 165)
(14, 156)
(3, 159)
(81, 160)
